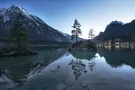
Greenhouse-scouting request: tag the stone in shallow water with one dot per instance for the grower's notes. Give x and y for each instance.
(90, 88)
(87, 87)
(45, 87)
(2, 82)
(104, 81)
(58, 66)
(53, 78)
(85, 71)
(64, 88)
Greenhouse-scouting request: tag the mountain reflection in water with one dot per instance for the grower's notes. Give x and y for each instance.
(58, 69)
(117, 58)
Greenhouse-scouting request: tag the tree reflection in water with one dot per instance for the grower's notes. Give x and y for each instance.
(78, 67)
(92, 65)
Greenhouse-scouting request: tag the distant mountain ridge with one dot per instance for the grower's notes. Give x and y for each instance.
(37, 29)
(116, 29)
(70, 38)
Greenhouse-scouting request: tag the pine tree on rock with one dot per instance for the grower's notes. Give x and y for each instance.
(19, 35)
(77, 31)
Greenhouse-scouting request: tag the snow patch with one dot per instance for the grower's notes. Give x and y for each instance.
(2, 12)
(19, 9)
(6, 18)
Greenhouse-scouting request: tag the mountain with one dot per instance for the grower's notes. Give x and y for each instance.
(70, 37)
(97, 37)
(118, 29)
(37, 29)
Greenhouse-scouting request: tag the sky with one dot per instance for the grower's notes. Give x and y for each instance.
(60, 14)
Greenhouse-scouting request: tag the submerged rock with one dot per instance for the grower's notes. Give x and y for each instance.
(58, 66)
(53, 78)
(84, 85)
(87, 87)
(104, 81)
(2, 82)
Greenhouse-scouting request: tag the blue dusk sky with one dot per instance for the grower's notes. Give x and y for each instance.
(60, 14)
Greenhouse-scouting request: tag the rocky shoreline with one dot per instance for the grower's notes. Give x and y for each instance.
(8, 53)
(83, 46)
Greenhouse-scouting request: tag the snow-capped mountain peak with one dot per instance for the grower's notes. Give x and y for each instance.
(37, 29)
(18, 9)
(6, 13)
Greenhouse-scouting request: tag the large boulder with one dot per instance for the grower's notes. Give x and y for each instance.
(84, 46)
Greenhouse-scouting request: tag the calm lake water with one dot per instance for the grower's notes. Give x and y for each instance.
(58, 69)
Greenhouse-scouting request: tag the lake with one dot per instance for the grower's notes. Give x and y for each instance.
(58, 69)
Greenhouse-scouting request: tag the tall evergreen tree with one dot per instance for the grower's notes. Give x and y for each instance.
(91, 33)
(19, 35)
(77, 31)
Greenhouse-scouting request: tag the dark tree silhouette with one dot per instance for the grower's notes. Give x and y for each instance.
(75, 33)
(78, 67)
(91, 33)
(19, 35)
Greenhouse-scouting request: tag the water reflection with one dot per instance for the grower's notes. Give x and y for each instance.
(78, 67)
(118, 46)
(117, 58)
(109, 47)
(62, 70)
(132, 47)
(92, 65)
(11, 76)
(19, 69)
(84, 55)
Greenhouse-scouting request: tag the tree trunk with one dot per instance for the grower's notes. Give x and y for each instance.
(19, 44)
(76, 37)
